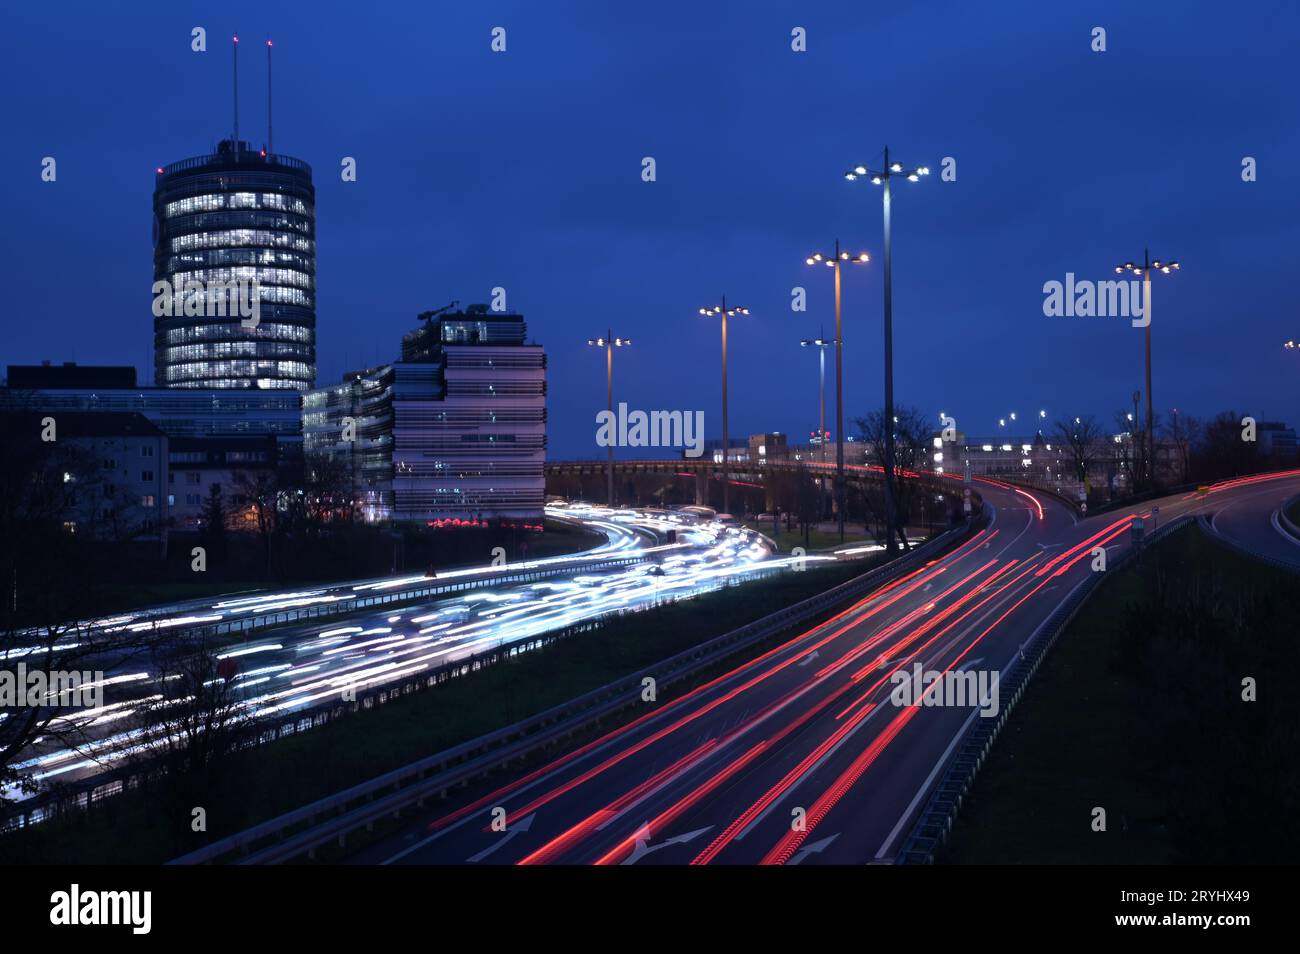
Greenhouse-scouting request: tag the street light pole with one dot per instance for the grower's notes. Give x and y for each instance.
(1135, 417)
(609, 343)
(821, 344)
(724, 311)
(835, 261)
(821, 393)
(891, 515)
(883, 177)
(1145, 270)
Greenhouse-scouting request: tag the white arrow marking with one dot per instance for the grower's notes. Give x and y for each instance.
(810, 657)
(966, 665)
(813, 848)
(643, 847)
(518, 828)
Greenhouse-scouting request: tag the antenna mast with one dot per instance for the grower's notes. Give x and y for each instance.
(235, 59)
(269, 150)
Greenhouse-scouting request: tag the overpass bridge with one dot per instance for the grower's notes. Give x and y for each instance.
(587, 476)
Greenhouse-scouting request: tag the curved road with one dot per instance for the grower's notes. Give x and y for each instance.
(1250, 519)
(809, 754)
(289, 669)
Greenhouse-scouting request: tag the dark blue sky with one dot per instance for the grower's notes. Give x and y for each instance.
(522, 170)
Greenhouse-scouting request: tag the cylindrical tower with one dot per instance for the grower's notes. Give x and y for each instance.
(236, 216)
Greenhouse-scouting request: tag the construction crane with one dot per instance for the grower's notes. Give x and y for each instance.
(427, 315)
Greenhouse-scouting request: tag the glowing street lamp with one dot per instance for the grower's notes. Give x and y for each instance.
(1144, 270)
(725, 312)
(883, 177)
(835, 261)
(609, 343)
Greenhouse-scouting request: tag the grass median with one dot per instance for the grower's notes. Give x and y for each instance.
(147, 826)
(1142, 709)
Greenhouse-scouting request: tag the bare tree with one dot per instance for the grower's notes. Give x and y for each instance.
(49, 571)
(327, 489)
(194, 717)
(913, 445)
(1183, 431)
(805, 500)
(1082, 439)
(256, 494)
(1222, 452)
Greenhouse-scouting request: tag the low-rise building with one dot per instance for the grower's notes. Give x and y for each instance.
(200, 467)
(111, 468)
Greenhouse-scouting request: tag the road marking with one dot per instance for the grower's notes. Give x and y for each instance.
(518, 828)
(814, 848)
(811, 656)
(643, 847)
(1277, 525)
(943, 759)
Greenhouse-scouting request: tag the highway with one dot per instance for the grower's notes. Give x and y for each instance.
(623, 534)
(805, 755)
(291, 668)
(1250, 520)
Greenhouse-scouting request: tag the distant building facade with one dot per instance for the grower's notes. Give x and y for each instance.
(212, 437)
(112, 468)
(198, 467)
(1276, 440)
(180, 412)
(773, 446)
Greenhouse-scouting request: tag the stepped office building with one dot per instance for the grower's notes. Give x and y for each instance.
(238, 215)
(454, 430)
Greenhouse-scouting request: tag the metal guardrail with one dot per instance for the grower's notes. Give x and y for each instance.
(1228, 544)
(331, 819)
(433, 589)
(934, 824)
(1287, 523)
(89, 792)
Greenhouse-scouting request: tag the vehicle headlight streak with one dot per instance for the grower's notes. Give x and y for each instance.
(319, 664)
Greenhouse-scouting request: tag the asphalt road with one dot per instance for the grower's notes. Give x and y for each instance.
(289, 669)
(810, 753)
(1250, 519)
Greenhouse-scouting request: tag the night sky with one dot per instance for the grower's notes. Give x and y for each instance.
(523, 169)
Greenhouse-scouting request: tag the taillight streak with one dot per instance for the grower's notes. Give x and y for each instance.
(789, 844)
(557, 846)
(1085, 545)
(500, 793)
(907, 620)
(775, 792)
(939, 635)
